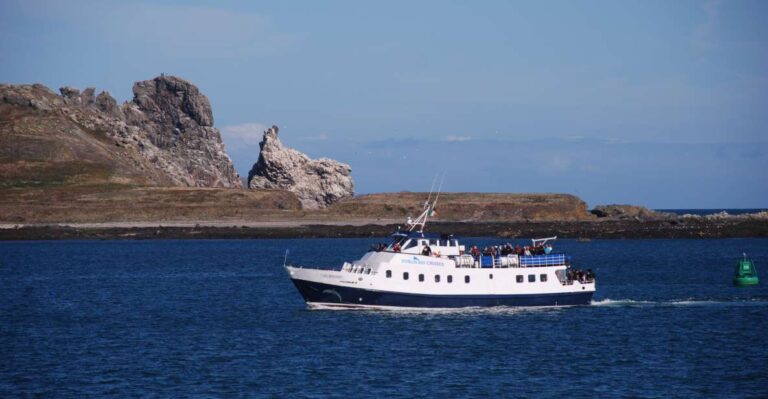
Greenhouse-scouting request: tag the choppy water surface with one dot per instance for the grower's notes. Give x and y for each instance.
(220, 318)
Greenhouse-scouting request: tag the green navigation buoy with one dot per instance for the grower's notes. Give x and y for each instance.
(746, 274)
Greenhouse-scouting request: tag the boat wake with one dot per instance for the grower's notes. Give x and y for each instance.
(722, 302)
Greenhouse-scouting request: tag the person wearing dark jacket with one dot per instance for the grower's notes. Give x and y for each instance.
(426, 251)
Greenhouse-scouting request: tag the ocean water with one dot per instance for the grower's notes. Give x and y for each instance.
(219, 318)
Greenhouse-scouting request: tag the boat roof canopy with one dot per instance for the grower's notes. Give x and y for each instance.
(416, 234)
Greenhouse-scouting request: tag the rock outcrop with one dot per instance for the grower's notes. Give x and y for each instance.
(163, 137)
(630, 212)
(723, 215)
(317, 183)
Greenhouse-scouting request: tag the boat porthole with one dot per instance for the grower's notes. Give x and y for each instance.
(583, 288)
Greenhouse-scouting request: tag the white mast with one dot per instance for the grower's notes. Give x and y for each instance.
(429, 208)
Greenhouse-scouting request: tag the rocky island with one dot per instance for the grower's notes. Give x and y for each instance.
(79, 165)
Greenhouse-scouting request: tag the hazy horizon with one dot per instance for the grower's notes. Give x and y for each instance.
(653, 103)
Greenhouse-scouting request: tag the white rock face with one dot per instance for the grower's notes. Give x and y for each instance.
(317, 183)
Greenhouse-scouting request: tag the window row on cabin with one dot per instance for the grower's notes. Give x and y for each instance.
(431, 243)
(531, 278)
(518, 278)
(361, 270)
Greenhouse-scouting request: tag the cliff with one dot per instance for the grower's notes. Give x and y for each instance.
(163, 137)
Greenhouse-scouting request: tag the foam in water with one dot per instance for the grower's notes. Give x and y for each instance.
(680, 302)
(620, 302)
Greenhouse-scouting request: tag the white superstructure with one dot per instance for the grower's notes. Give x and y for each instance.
(417, 269)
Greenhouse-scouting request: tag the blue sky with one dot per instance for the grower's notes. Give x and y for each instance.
(658, 103)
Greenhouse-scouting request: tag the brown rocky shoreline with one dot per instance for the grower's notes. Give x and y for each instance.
(609, 229)
(77, 165)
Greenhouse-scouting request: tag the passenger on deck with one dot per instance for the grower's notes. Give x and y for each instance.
(548, 249)
(492, 251)
(518, 250)
(396, 247)
(506, 250)
(527, 251)
(475, 252)
(426, 251)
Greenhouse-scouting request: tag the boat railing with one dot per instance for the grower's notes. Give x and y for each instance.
(571, 275)
(543, 260)
(511, 261)
(584, 280)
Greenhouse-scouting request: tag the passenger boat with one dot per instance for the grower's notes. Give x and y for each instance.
(421, 270)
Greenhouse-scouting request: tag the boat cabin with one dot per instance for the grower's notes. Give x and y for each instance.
(415, 243)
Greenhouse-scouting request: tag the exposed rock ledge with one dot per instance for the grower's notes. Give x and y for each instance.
(630, 212)
(317, 183)
(164, 136)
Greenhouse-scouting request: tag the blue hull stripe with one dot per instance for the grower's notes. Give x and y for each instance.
(326, 293)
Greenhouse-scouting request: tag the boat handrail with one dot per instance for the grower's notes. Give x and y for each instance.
(543, 260)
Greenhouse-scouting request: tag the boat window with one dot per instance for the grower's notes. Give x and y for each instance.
(466, 279)
(421, 277)
(490, 276)
(450, 278)
(410, 244)
(443, 243)
(397, 240)
(437, 278)
(543, 278)
(389, 273)
(405, 276)
(368, 271)
(432, 242)
(519, 278)
(531, 278)
(451, 243)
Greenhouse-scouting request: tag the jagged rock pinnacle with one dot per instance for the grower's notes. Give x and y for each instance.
(317, 183)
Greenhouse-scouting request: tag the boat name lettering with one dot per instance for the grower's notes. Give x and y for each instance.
(416, 261)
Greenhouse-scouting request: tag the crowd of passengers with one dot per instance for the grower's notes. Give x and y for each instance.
(508, 249)
(493, 250)
(582, 276)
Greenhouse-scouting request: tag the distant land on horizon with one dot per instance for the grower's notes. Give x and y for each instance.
(711, 211)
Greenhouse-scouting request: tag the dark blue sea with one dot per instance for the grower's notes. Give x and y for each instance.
(219, 318)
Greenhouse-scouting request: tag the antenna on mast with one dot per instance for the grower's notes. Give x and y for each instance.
(429, 208)
(439, 190)
(431, 189)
